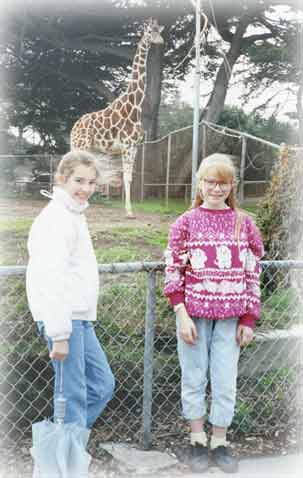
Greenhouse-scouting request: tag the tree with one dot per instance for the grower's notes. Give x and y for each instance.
(241, 26)
(280, 215)
(58, 66)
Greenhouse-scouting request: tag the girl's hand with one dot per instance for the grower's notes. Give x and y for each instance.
(59, 350)
(244, 335)
(187, 328)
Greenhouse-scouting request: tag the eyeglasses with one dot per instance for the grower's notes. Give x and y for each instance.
(211, 184)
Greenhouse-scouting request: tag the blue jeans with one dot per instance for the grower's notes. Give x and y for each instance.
(216, 355)
(88, 382)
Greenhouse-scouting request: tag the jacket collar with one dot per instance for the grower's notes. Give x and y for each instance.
(60, 195)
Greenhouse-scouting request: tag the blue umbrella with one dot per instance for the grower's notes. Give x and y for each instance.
(59, 450)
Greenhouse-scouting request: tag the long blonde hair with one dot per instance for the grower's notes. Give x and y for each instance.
(223, 168)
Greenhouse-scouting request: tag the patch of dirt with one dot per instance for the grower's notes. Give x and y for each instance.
(101, 219)
(97, 214)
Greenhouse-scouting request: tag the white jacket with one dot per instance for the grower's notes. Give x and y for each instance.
(62, 275)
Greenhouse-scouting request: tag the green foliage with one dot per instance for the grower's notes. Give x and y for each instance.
(173, 117)
(266, 399)
(280, 213)
(118, 254)
(280, 308)
(15, 226)
(58, 64)
(253, 123)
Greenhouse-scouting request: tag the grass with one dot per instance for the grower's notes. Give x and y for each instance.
(118, 254)
(116, 244)
(15, 226)
(150, 206)
(151, 236)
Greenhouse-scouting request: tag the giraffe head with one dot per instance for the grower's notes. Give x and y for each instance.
(152, 32)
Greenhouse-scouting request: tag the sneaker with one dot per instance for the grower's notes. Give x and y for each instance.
(197, 458)
(223, 458)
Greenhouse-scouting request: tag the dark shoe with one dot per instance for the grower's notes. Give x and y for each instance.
(198, 458)
(223, 458)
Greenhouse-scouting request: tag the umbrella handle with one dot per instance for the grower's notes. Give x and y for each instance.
(60, 401)
(60, 375)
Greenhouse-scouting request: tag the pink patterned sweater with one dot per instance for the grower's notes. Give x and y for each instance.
(208, 269)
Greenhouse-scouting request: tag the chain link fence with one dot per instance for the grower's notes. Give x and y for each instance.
(24, 175)
(162, 168)
(137, 329)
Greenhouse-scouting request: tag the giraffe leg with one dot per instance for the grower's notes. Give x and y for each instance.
(127, 163)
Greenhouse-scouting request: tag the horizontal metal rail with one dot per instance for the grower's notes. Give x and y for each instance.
(129, 267)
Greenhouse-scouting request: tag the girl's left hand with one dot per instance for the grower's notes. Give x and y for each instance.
(244, 335)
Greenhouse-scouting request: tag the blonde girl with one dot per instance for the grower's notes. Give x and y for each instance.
(212, 281)
(62, 284)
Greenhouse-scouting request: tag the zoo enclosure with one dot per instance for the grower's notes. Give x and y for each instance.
(162, 168)
(136, 327)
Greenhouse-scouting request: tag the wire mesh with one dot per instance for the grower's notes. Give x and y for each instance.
(269, 385)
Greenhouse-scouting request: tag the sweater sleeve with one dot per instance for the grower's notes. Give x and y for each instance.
(48, 273)
(252, 275)
(176, 258)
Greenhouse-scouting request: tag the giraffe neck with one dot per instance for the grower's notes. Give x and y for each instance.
(137, 83)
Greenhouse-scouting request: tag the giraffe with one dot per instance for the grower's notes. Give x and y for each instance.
(118, 128)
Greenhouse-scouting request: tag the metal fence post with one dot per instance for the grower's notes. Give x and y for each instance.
(143, 151)
(242, 169)
(167, 169)
(148, 358)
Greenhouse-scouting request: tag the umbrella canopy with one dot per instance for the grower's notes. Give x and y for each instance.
(59, 451)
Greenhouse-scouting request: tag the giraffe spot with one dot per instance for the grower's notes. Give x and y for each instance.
(107, 111)
(132, 98)
(107, 123)
(120, 125)
(135, 115)
(107, 135)
(129, 126)
(128, 107)
(126, 110)
(98, 124)
(135, 75)
(115, 118)
(132, 87)
(138, 96)
(117, 105)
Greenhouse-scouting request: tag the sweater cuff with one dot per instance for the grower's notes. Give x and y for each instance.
(176, 298)
(249, 320)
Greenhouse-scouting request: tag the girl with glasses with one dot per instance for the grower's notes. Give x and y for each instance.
(212, 282)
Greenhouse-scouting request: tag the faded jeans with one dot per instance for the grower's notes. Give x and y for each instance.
(216, 355)
(88, 382)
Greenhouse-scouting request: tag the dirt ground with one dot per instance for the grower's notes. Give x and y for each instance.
(97, 214)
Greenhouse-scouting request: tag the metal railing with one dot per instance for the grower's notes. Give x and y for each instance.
(136, 327)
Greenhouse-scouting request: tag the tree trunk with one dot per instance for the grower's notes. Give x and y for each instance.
(216, 101)
(153, 92)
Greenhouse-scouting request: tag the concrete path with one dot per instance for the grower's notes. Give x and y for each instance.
(287, 466)
(136, 463)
